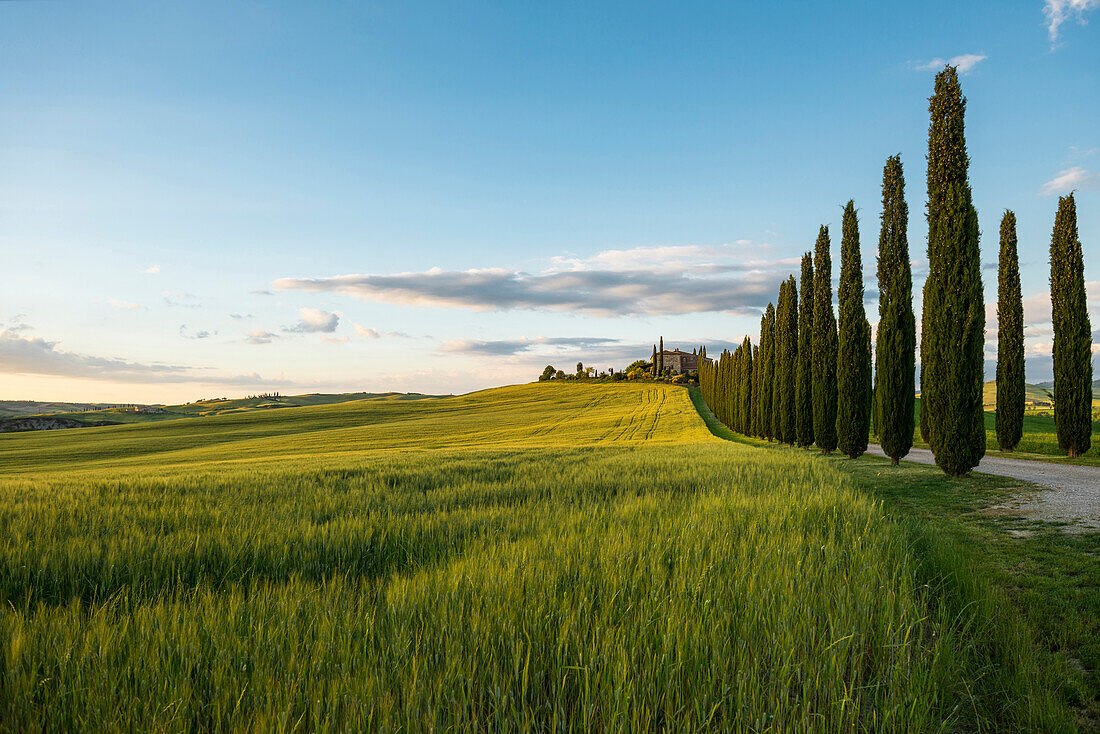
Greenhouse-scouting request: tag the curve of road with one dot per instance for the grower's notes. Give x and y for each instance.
(1072, 493)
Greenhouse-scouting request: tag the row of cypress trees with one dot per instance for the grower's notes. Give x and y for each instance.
(810, 379)
(805, 383)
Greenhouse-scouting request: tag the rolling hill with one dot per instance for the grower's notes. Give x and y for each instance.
(69, 415)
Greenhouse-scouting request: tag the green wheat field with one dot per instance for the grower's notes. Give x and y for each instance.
(549, 557)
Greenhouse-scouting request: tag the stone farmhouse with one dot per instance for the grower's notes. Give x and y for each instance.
(680, 362)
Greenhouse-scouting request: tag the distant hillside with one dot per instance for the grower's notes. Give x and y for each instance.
(10, 408)
(1049, 385)
(46, 423)
(1033, 394)
(71, 415)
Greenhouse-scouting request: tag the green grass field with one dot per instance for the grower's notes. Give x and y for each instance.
(1039, 440)
(549, 557)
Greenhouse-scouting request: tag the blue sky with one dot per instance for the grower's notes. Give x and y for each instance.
(207, 198)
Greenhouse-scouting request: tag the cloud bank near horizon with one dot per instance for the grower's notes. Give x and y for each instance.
(647, 281)
(32, 355)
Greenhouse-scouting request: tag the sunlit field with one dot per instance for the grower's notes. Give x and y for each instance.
(551, 557)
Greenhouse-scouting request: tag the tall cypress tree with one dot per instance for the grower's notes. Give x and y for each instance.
(786, 343)
(661, 358)
(745, 387)
(767, 374)
(720, 400)
(948, 164)
(896, 340)
(953, 324)
(804, 380)
(853, 417)
(791, 433)
(734, 388)
(824, 347)
(1072, 334)
(1010, 340)
(757, 380)
(777, 363)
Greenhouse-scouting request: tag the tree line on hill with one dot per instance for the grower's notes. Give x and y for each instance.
(640, 369)
(809, 379)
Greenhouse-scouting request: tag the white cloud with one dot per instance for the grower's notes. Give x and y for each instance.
(964, 62)
(151, 270)
(314, 320)
(1057, 12)
(1070, 179)
(369, 333)
(20, 355)
(687, 258)
(651, 281)
(259, 336)
(182, 300)
(508, 347)
(17, 324)
(123, 304)
(201, 334)
(1079, 153)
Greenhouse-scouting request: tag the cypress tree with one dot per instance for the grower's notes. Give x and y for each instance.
(654, 360)
(1072, 334)
(853, 416)
(745, 387)
(734, 382)
(791, 431)
(786, 365)
(739, 388)
(754, 421)
(757, 374)
(720, 400)
(804, 381)
(895, 350)
(1010, 340)
(704, 384)
(953, 324)
(767, 374)
(777, 362)
(661, 358)
(824, 347)
(874, 411)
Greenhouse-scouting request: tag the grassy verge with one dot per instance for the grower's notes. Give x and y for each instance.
(1038, 586)
(1039, 441)
(1051, 578)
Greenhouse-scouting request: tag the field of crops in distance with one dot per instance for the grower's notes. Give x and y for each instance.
(549, 557)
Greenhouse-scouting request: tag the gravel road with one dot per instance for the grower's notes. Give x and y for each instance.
(1072, 493)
